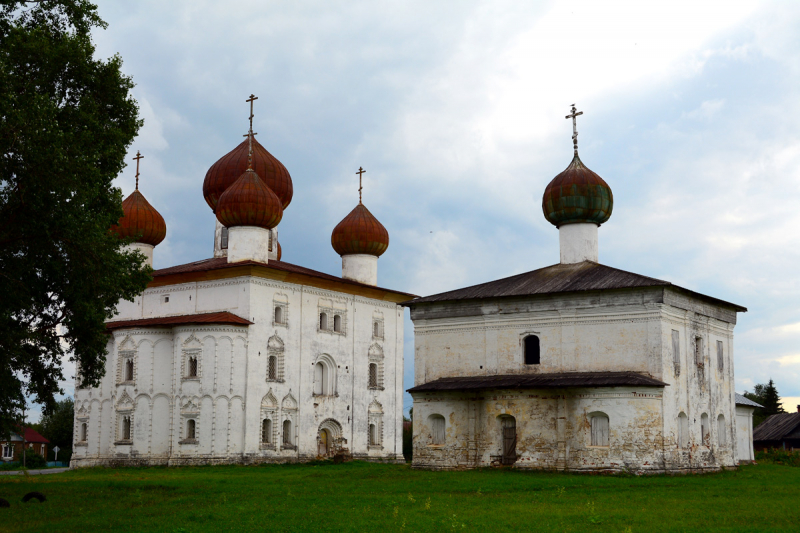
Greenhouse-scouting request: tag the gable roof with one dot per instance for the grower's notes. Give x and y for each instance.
(556, 380)
(31, 435)
(776, 427)
(218, 268)
(223, 317)
(560, 278)
(743, 400)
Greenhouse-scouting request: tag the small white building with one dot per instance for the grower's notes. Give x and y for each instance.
(243, 357)
(744, 428)
(575, 366)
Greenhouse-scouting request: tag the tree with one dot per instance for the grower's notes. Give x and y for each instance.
(66, 121)
(767, 396)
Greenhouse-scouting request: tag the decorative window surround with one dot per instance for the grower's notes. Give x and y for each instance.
(327, 325)
(377, 328)
(275, 349)
(375, 357)
(375, 426)
(280, 314)
(192, 349)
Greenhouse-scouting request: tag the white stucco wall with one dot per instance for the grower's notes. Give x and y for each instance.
(578, 242)
(612, 331)
(233, 393)
(744, 433)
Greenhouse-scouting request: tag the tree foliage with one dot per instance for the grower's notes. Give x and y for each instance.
(57, 425)
(66, 121)
(765, 394)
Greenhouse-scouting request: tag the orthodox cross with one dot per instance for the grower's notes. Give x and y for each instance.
(250, 133)
(137, 158)
(573, 116)
(360, 172)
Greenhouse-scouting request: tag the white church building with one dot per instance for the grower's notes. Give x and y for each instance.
(578, 365)
(243, 357)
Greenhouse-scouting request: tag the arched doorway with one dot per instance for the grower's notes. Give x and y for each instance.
(508, 426)
(325, 444)
(329, 438)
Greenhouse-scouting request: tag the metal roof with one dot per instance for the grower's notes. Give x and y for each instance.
(560, 278)
(223, 317)
(540, 381)
(776, 427)
(743, 400)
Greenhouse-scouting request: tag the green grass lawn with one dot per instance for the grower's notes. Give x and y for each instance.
(382, 498)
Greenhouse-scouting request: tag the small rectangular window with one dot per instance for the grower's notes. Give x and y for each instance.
(599, 430)
(223, 244)
(720, 357)
(531, 345)
(698, 351)
(166, 298)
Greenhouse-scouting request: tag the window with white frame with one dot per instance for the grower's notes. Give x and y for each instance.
(332, 320)
(375, 425)
(266, 431)
(377, 328)
(84, 432)
(375, 368)
(599, 428)
(325, 376)
(126, 428)
(126, 372)
(288, 438)
(191, 429)
(323, 321)
(8, 451)
(337, 323)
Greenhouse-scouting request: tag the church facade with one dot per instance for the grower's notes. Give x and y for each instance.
(576, 366)
(243, 357)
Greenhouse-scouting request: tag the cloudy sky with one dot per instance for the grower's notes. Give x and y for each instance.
(456, 110)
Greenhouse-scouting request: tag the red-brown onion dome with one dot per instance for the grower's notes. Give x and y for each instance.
(140, 221)
(360, 233)
(249, 202)
(577, 195)
(224, 172)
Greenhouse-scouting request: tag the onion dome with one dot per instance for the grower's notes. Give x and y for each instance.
(577, 195)
(249, 202)
(140, 221)
(360, 233)
(280, 252)
(230, 167)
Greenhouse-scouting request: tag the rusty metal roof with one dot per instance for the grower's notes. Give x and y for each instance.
(577, 195)
(140, 221)
(223, 317)
(360, 233)
(249, 202)
(219, 263)
(540, 381)
(747, 402)
(776, 427)
(560, 278)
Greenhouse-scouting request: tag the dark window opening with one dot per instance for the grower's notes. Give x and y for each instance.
(224, 239)
(531, 350)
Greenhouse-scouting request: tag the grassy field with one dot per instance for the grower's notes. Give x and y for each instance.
(384, 498)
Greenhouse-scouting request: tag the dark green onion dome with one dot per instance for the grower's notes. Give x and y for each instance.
(577, 195)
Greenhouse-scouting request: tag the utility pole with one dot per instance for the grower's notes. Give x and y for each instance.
(24, 405)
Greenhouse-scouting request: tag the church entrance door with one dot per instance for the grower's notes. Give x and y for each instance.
(509, 425)
(324, 443)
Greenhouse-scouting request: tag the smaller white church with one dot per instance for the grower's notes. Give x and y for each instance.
(576, 366)
(244, 357)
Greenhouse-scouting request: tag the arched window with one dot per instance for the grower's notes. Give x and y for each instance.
(373, 375)
(437, 429)
(373, 436)
(532, 350)
(683, 430)
(266, 431)
(377, 329)
(319, 379)
(129, 370)
(337, 323)
(599, 429)
(272, 368)
(722, 435)
(705, 431)
(84, 431)
(126, 428)
(191, 429)
(279, 315)
(323, 321)
(192, 367)
(325, 376)
(287, 432)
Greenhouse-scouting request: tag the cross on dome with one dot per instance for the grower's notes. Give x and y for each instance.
(250, 133)
(137, 158)
(575, 113)
(360, 172)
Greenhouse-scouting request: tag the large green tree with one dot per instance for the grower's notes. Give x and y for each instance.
(66, 121)
(765, 394)
(57, 427)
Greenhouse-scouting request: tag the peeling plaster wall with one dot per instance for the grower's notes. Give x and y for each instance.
(595, 332)
(231, 395)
